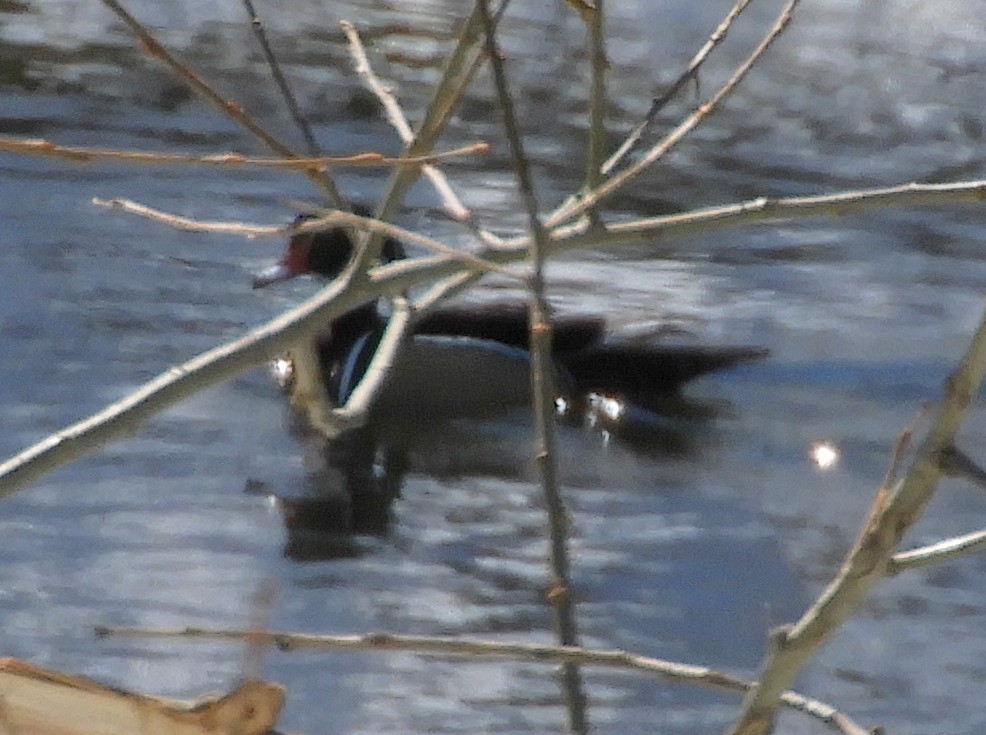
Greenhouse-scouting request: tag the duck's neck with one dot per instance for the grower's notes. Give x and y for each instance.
(336, 345)
(346, 348)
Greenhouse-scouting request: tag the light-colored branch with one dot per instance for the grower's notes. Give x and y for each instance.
(280, 334)
(578, 237)
(462, 64)
(670, 671)
(122, 418)
(761, 209)
(363, 70)
(616, 182)
(690, 73)
(76, 154)
(358, 404)
(188, 224)
(894, 511)
(952, 548)
(899, 450)
(453, 205)
(230, 108)
(308, 394)
(369, 245)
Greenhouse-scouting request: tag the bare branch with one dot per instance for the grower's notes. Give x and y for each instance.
(453, 205)
(670, 671)
(651, 229)
(75, 154)
(690, 73)
(233, 110)
(190, 225)
(597, 96)
(894, 511)
(756, 210)
(278, 335)
(901, 445)
(122, 418)
(946, 550)
(382, 93)
(299, 117)
(358, 405)
(448, 91)
(461, 66)
(407, 236)
(673, 138)
(542, 391)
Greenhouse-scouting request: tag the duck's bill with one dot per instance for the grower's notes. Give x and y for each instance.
(274, 274)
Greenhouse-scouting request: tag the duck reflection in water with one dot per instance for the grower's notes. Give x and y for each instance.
(466, 368)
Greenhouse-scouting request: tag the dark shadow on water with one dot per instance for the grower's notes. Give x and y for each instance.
(349, 495)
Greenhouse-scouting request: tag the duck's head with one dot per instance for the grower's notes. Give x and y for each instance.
(322, 252)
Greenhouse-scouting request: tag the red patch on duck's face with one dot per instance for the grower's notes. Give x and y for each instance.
(296, 256)
(295, 262)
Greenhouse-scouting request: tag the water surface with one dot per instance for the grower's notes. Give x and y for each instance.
(688, 554)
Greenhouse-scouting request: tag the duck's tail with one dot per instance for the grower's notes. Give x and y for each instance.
(643, 370)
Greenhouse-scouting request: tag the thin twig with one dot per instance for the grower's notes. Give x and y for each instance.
(542, 390)
(382, 93)
(313, 225)
(453, 205)
(952, 548)
(578, 236)
(398, 121)
(689, 74)
(233, 110)
(894, 511)
(299, 117)
(308, 395)
(670, 671)
(597, 96)
(76, 154)
(188, 224)
(674, 137)
(658, 229)
(460, 68)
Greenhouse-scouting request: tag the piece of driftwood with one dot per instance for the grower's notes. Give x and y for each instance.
(37, 701)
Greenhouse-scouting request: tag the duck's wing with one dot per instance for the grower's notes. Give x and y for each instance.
(507, 322)
(642, 370)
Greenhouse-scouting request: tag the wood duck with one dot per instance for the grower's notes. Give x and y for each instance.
(472, 360)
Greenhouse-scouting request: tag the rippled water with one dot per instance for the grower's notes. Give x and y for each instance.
(689, 554)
